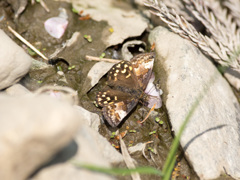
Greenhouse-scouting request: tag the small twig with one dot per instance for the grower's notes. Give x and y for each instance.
(128, 160)
(153, 107)
(93, 58)
(27, 43)
(43, 4)
(143, 149)
(148, 142)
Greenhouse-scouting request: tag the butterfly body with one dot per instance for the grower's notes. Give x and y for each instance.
(126, 82)
(134, 92)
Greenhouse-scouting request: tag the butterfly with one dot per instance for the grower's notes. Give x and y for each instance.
(126, 82)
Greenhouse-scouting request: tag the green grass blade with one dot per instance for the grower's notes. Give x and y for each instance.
(119, 171)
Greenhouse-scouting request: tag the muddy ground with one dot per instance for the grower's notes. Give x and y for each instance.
(30, 25)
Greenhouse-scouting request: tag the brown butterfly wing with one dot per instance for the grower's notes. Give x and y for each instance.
(116, 105)
(143, 65)
(122, 74)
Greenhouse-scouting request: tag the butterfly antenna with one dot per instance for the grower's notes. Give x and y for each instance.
(153, 107)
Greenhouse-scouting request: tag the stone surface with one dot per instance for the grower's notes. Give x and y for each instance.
(69, 172)
(17, 90)
(91, 119)
(18, 6)
(14, 62)
(61, 93)
(96, 73)
(233, 78)
(92, 149)
(126, 54)
(124, 23)
(211, 138)
(32, 130)
(38, 65)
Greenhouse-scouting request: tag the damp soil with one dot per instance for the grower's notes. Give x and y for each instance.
(155, 132)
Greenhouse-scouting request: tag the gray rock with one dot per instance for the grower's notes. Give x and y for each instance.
(61, 93)
(38, 65)
(18, 6)
(91, 119)
(211, 138)
(96, 73)
(69, 172)
(126, 54)
(233, 78)
(32, 130)
(14, 64)
(124, 23)
(92, 149)
(17, 90)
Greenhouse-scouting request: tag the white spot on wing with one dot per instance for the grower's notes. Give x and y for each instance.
(121, 113)
(148, 65)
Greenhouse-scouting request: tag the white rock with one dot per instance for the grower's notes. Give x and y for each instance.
(17, 90)
(91, 119)
(69, 172)
(137, 147)
(125, 24)
(32, 130)
(14, 62)
(38, 65)
(233, 78)
(126, 54)
(61, 93)
(96, 73)
(96, 147)
(211, 138)
(92, 149)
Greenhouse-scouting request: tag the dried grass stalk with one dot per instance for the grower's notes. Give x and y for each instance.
(222, 27)
(234, 7)
(179, 8)
(223, 46)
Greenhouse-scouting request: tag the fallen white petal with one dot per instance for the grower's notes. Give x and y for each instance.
(56, 26)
